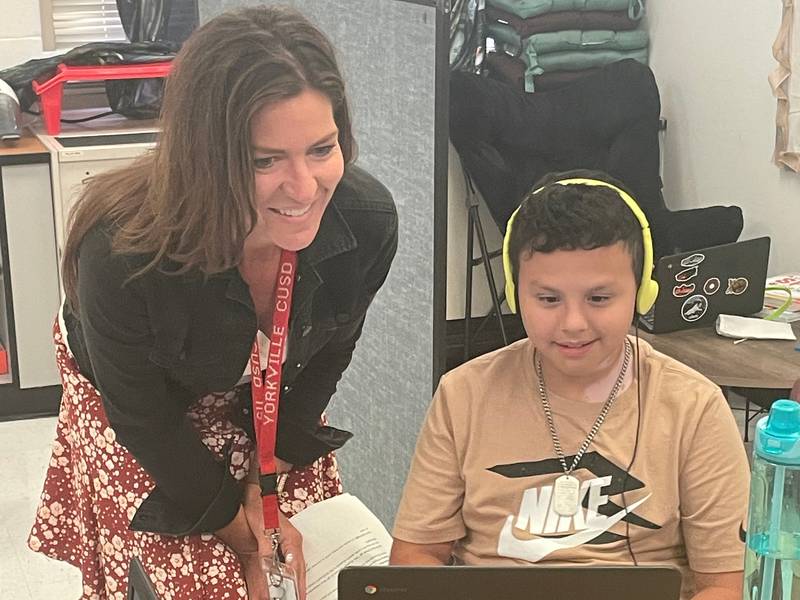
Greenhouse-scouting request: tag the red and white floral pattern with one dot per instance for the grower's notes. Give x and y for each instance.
(94, 486)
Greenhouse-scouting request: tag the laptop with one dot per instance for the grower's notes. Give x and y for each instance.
(509, 583)
(695, 287)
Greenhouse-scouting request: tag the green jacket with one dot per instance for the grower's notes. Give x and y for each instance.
(525, 9)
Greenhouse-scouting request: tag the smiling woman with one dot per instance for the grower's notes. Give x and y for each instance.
(178, 270)
(298, 164)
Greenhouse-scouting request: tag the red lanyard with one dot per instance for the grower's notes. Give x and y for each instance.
(266, 388)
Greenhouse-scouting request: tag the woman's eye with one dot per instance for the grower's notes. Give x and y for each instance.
(321, 151)
(264, 163)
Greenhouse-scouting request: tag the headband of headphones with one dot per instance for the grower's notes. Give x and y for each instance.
(648, 288)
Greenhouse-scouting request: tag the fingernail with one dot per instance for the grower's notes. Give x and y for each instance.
(289, 557)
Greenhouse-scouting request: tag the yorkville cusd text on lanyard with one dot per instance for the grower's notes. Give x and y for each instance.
(266, 390)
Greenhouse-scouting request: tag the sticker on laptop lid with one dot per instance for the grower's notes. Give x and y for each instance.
(684, 289)
(737, 286)
(711, 286)
(693, 260)
(686, 274)
(694, 308)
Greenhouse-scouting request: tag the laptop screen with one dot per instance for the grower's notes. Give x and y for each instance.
(695, 287)
(509, 583)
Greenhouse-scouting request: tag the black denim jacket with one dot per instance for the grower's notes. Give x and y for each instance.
(156, 343)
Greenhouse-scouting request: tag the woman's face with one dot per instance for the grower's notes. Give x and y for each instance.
(298, 164)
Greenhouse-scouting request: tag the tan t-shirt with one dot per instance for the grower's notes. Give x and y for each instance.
(484, 468)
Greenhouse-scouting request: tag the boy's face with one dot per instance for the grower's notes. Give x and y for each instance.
(577, 306)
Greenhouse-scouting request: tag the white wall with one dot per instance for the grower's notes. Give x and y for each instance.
(711, 60)
(20, 32)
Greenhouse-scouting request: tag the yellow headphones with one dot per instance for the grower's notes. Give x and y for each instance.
(648, 288)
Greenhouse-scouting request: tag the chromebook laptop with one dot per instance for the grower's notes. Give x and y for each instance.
(695, 287)
(509, 583)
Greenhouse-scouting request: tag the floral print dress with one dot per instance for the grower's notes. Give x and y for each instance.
(94, 486)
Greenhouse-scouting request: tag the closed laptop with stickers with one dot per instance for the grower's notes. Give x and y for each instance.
(695, 287)
(509, 583)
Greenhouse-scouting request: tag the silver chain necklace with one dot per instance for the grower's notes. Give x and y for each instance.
(566, 491)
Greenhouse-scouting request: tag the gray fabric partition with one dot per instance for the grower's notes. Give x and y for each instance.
(387, 49)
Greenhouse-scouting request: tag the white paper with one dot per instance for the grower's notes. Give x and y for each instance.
(337, 533)
(753, 329)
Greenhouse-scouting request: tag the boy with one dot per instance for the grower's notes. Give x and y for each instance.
(579, 444)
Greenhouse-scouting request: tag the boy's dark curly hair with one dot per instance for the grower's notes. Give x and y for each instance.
(575, 217)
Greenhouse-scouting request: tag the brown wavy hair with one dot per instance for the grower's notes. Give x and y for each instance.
(575, 217)
(190, 201)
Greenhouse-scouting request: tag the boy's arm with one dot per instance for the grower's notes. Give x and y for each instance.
(406, 553)
(718, 586)
(429, 518)
(714, 483)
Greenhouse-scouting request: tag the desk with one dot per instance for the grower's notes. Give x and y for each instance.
(770, 364)
(754, 364)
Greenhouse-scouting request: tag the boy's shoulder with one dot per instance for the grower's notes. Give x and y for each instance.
(509, 364)
(515, 352)
(671, 379)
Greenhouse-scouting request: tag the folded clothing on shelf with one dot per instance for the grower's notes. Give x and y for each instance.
(561, 21)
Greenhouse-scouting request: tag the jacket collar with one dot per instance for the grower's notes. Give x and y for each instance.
(334, 237)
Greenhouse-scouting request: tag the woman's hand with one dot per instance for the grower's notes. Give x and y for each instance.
(291, 540)
(254, 576)
(239, 537)
(292, 549)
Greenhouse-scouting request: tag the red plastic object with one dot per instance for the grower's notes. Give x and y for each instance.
(3, 361)
(51, 91)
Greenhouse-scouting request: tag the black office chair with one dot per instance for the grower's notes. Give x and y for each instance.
(139, 585)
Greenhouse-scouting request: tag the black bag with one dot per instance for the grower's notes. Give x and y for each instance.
(123, 100)
(144, 21)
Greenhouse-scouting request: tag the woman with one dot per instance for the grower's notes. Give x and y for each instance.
(170, 271)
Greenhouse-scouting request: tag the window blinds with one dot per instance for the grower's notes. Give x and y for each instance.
(77, 22)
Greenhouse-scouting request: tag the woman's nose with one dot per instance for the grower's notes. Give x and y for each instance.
(300, 184)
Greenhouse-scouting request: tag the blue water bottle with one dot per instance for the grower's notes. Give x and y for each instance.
(772, 560)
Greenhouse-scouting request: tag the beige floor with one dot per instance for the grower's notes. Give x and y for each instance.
(26, 575)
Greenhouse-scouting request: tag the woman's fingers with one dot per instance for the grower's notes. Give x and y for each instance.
(291, 539)
(254, 577)
(292, 549)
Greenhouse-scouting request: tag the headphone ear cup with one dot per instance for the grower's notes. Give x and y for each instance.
(646, 296)
(511, 290)
(511, 293)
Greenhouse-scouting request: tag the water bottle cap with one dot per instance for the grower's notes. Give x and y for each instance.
(778, 434)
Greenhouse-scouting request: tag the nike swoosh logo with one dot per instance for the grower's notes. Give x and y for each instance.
(536, 549)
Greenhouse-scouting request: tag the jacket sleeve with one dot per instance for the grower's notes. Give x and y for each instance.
(150, 424)
(301, 439)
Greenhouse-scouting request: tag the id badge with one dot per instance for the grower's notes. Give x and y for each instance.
(282, 581)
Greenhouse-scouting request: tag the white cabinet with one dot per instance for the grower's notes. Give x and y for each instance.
(31, 272)
(80, 152)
